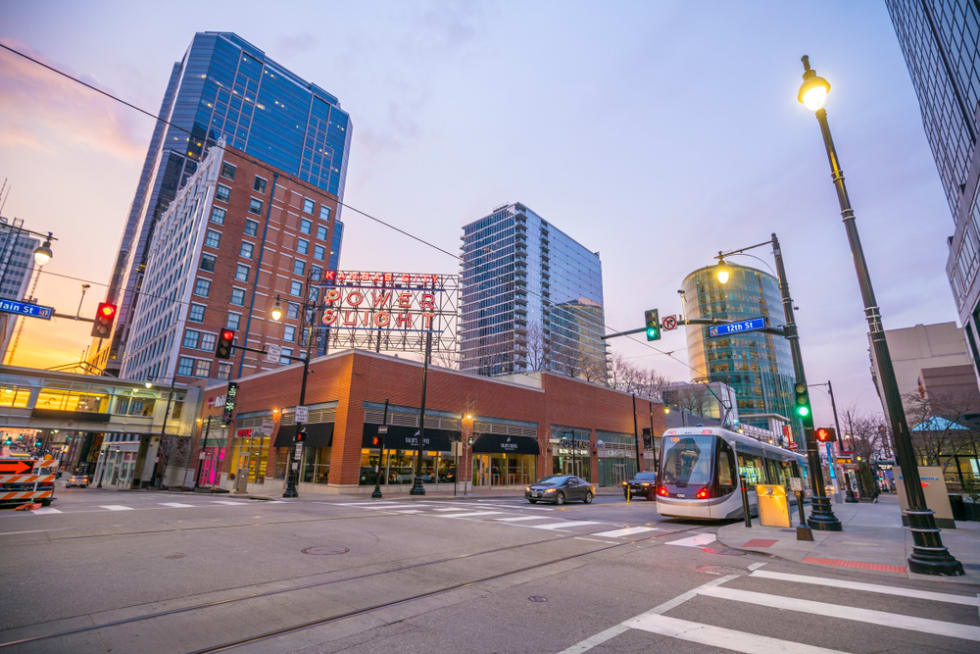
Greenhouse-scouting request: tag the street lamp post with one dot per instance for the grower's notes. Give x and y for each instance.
(929, 555)
(382, 432)
(636, 436)
(292, 466)
(840, 435)
(417, 488)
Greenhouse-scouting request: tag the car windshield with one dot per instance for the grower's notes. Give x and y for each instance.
(553, 480)
(645, 476)
(687, 460)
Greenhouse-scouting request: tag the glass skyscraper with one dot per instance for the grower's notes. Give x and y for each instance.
(531, 298)
(757, 366)
(941, 43)
(225, 87)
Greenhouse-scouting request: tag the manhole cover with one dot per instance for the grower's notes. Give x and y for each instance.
(325, 550)
(175, 556)
(724, 551)
(537, 598)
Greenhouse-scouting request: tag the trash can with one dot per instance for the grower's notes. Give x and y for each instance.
(773, 506)
(957, 505)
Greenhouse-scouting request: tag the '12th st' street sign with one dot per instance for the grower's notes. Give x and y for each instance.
(738, 327)
(26, 309)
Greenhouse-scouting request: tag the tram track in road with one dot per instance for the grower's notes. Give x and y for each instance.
(202, 606)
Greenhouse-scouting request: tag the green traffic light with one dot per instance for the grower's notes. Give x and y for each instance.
(653, 334)
(803, 411)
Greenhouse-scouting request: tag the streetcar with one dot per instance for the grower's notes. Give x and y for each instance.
(701, 469)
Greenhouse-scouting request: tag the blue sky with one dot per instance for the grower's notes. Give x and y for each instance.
(654, 132)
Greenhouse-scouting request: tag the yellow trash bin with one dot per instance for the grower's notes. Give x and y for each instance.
(773, 507)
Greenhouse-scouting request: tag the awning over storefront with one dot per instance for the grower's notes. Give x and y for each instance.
(318, 434)
(496, 444)
(405, 438)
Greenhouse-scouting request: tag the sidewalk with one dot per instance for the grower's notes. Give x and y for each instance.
(873, 540)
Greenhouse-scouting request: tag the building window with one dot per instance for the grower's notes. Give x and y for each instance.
(285, 354)
(255, 206)
(302, 246)
(292, 311)
(251, 227)
(212, 238)
(324, 212)
(299, 267)
(202, 367)
(308, 205)
(321, 232)
(227, 170)
(185, 366)
(316, 272)
(319, 252)
(238, 296)
(208, 342)
(246, 251)
(259, 185)
(234, 320)
(241, 272)
(218, 215)
(296, 288)
(191, 337)
(224, 370)
(208, 261)
(289, 333)
(223, 193)
(202, 287)
(196, 313)
(305, 226)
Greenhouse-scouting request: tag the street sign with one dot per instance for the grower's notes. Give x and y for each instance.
(668, 323)
(15, 465)
(739, 327)
(273, 353)
(382, 429)
(26, 309)
(298, 452)
(457, 448)
(266, 428)
(796, 484)
(230, 398)
(303, 414)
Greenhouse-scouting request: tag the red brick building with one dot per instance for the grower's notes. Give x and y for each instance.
(512, 431)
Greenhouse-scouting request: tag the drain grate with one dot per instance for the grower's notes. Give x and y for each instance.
(537, 598)
(326, 550)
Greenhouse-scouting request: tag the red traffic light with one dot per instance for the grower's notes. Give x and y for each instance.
(825, 434)
(375, 441)
(102, 324)
(228, 334)
(225, 339)
(107, 310)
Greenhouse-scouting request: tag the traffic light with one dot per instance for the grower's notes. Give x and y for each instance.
(375, 441)
(826, 434)
(803, 403)
(225, 339)
(104, 315)
(301, 434)
(653, 324)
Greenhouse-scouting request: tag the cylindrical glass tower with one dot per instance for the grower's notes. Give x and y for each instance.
(758, 366)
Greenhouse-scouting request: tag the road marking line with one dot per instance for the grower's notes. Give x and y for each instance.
(757, 565)
(595, 540)
(229, 502)
(869, 616)
(697, 540)
(176, 505)
(471, 514)
(523, 517)
(358, 503)
(116, 507)
(451, 509)
(612, 632)
(46, 511)
(873, 588)
(393, 506)
(407, 511)
(729, 639)
(565, 524)
(629, 531)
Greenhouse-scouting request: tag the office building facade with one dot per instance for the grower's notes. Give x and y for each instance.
(531, 298)
(941, 44)
(226, 88)
(756, 365)
(16, 268)
(233, 240)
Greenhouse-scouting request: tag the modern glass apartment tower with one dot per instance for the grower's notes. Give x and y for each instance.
(758, 366)
(940, 42)
(225, 87)
(531, 298)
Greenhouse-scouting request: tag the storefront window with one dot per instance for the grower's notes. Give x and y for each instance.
(398, 467)
(315, 465)
(570, 452)
(504, 469)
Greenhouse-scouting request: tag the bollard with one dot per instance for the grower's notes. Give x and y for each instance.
(745, 502)
(803, 532)
(627, 494)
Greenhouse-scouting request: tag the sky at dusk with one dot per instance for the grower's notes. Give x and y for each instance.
(656, 133)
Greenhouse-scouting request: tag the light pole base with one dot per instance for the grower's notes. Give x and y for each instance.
(290, 492)
(417, 488)
(377, 491)
(822, 517)
(929, 555)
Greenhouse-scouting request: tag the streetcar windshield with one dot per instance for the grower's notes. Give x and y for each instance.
(687, 460)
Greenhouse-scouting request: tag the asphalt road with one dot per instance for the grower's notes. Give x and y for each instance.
(109, 571)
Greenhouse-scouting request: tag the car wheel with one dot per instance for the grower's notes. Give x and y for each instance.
(560, 498)
(588, 498)
(533, 501)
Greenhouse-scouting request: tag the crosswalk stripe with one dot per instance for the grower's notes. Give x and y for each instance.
(873, 588)
(471, 514)
(565, 524)
(116, 507)
(229, 502)
(176, 505)
(697, 540)
(454, 508)
(728, 639)
(629, 531)
(524, 517)
(359, 503)
(392, 506)
(45, 511)
(408, 511)
(897, 621)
